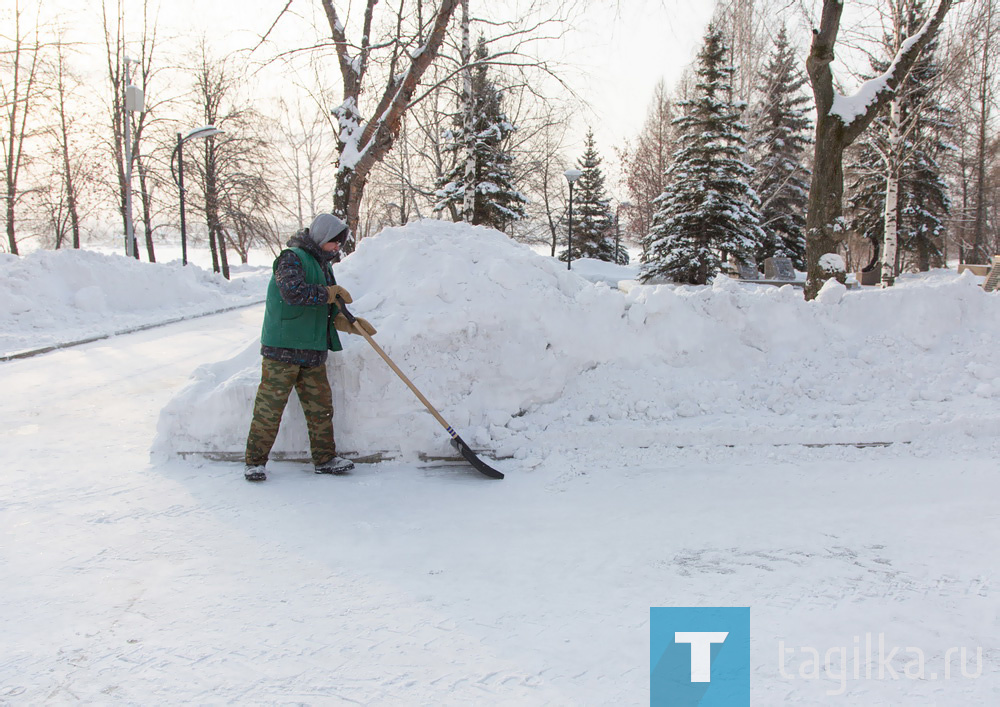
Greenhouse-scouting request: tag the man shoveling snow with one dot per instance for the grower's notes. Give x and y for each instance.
(301, 321)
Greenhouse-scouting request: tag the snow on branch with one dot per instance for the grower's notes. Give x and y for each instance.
(857, 112)
(849, 108)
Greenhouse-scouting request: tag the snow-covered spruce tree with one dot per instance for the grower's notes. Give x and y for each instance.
(925, 205)
(593, 222)
(923, 124)
(781, 133)
(497, 201)
(708, 211)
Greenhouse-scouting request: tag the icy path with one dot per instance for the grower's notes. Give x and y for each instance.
(400, 585)
(124, 583)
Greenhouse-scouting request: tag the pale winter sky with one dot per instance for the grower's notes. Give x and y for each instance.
(617, 50)
(613, 56)
(623, 50)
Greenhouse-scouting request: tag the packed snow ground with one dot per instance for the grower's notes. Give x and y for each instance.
(656, 461)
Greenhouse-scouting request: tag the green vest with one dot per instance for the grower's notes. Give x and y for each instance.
(288, 326)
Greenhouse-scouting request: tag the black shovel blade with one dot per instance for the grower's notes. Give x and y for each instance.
(470, 456)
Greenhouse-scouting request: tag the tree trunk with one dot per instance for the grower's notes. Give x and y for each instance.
(10, 167)
(347, 197)
(824, 220)
(220, 238)
(468, 121)
(923, 256)
(19, 95)
(220, 263)
(979, 254)
(891, 214)
(891, 226)
(553, 226)
(242, 249)
(963, 227)
(147, 208)
(11, 235)
(824, 223)
(74, 214)
(71, 201)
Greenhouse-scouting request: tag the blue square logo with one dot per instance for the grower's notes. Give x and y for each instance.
(699, 657)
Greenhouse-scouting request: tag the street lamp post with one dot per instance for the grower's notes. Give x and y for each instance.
(571, 176)
(133, 103)
(203, 132)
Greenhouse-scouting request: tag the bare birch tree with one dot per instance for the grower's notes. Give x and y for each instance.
(541, 163)
(20, 90)
(363, 143)
(384, 73)
(903, 136)
(64, 208)
(468, 119)
(750, 30)
(303, 157)
(234, 166)
(646, 165)
(213, 81)
(975, 101)
(119, 74)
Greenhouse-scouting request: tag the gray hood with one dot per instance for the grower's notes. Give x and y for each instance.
(327, 227)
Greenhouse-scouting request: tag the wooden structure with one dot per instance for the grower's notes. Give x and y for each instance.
(993, 277)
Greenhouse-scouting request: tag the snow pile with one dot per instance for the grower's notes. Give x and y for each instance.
(484, 328)
(608, 273)
(48, 297)
(737, 365)
(527, 358)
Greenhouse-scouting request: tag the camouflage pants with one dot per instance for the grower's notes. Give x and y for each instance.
(276, 383)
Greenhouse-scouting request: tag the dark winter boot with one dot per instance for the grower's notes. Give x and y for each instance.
(254, 472)
(337, 465)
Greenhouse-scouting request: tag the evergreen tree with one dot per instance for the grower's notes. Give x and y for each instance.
(781, 135)
(593, 232)
(924, 204)
(923, 201)
(708, 210)
(497, 202)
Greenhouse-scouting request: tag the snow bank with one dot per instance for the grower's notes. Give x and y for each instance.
(609, 273)
(523, 356)
(49, 297)
(485, 328)
(737, 365)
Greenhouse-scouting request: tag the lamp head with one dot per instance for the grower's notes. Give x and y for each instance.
(202, 132)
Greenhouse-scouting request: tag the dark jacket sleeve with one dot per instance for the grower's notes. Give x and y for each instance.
(291, 279)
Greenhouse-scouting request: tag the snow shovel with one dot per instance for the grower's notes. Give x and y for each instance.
(456, 441)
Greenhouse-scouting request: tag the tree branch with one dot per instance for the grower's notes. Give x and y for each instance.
(821, 55)
(379, 132)
(900, 67)
(348, 70)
